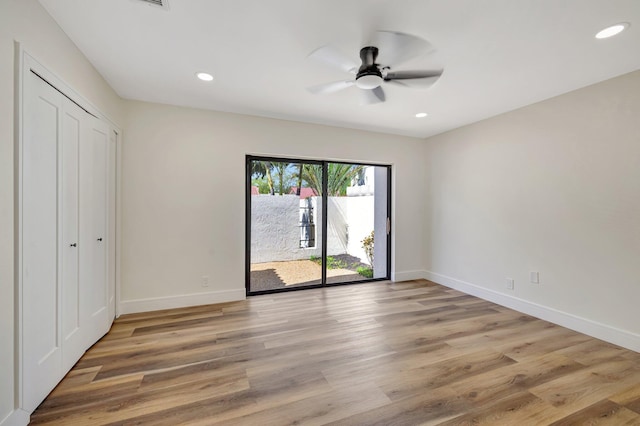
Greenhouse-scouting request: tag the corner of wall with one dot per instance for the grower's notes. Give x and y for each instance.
(408, 275)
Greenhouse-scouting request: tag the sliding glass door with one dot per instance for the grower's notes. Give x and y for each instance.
(314, 223)
(357, 217)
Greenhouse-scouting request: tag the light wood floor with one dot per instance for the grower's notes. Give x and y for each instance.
(369, 354)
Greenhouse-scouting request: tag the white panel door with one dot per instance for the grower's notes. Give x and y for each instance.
(41, 337)
(93, 231)
(110, 242)
(73, 119)
(100, 309)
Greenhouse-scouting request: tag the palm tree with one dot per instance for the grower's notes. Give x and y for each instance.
(269, 169)
(339, 176)
(299, 177)
(280, 170)
(263, 169)
(312, 174)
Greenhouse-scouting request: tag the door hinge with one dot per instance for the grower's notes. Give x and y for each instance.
(388, 226)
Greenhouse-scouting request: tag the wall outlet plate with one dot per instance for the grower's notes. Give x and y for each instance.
(534, 277)
(509, 283)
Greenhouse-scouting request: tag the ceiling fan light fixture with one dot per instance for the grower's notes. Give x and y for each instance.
(612, 30)
(204, 76)
(371, 74)
(369, 81)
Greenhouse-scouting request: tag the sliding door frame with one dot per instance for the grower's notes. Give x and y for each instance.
(325, 165)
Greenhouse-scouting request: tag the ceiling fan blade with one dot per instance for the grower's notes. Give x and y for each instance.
(335, 58)
(407, 75)
(416, 79)
(372, 96)
(395, 48)
(326, 88)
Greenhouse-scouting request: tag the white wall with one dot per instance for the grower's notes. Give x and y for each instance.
(27, 22)
(360, 222)
(184, 195)
(275, 229)
(553, 187)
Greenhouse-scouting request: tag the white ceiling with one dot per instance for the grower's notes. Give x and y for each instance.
(497, 55)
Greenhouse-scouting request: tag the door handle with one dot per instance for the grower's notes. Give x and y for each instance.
(100, 239)
(73, 245)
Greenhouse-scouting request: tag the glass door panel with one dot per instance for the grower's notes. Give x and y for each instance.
(285, 249)
(357, 212)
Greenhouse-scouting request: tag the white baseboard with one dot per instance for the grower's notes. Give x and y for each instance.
(16, 418)
(408, 275)
(181, 301)
(591, 328)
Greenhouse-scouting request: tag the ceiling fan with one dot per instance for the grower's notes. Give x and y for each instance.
(388, 48)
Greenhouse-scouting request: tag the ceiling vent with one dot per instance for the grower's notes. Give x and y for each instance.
(159, 3)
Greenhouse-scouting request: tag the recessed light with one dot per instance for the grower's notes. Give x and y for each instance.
(204, 76)
(612, 30)
(421, 115)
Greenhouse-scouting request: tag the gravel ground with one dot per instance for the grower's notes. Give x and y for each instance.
(273, 275)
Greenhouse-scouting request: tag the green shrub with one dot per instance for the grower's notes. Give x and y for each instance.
(365, 271)
(332, 262)
(367, 245)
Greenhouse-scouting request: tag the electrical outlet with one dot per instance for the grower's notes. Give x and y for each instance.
(509, 283)
(534, 277)
(205, 281)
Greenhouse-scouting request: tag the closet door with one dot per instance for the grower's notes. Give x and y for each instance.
(73, 345)
(93, 231)
(41, 293)
(110, 243)
(66, 258)
(100, 305)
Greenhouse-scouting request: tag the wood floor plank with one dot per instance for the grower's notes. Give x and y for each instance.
(409, 353)
(603, 413)
(442, 373)
(317, 410)
(594, 351)
(429, 408)
(503, 412)
(387, 365)
(629, 397)
(578, 390)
